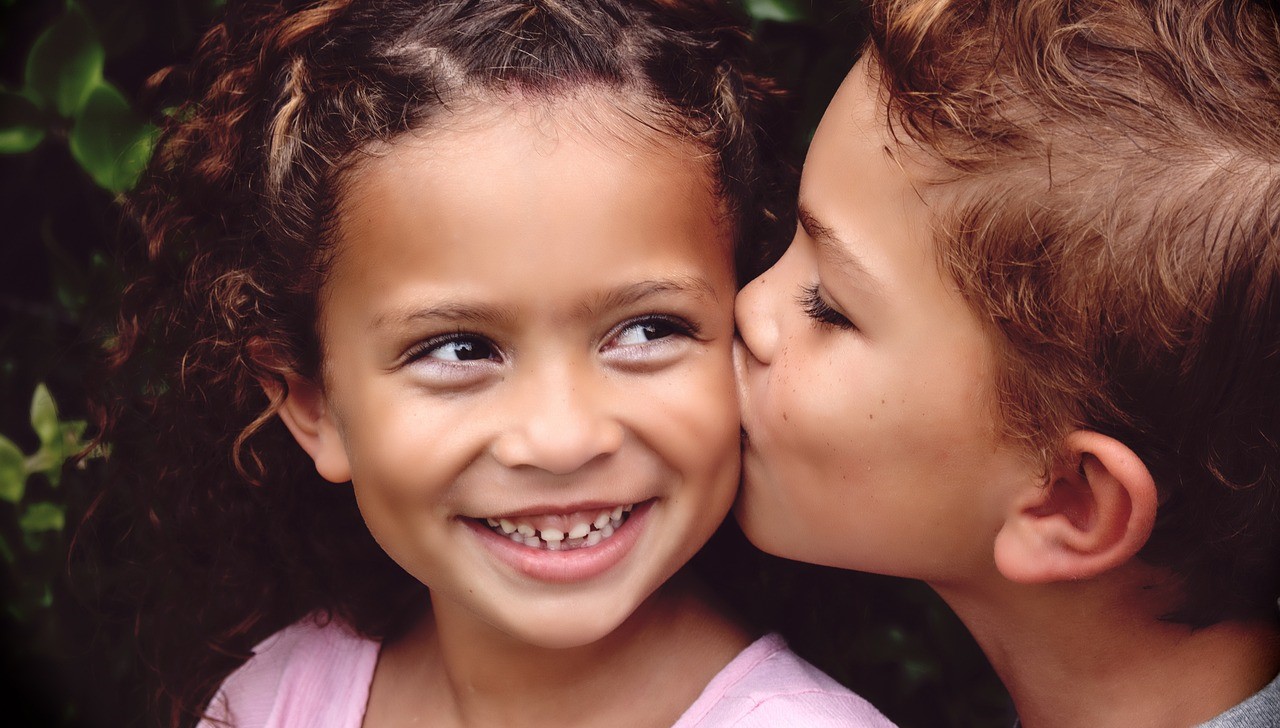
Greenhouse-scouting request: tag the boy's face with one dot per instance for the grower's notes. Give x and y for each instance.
(528, 338)
(865, 379)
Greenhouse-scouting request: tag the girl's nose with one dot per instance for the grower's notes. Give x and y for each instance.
(561, 427)
(756, 312)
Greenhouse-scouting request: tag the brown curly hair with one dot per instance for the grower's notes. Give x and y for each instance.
(1114, 212)
(228, 533)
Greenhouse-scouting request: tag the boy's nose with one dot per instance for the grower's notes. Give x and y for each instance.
(560, 428)
(756, 313)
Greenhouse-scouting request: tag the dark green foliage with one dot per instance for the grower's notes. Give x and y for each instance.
(72, 137)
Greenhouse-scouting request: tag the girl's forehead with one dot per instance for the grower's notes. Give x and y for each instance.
(533, 174)
(621, 118)
(520, 136)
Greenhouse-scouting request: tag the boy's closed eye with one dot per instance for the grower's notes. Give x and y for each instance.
(817, 308)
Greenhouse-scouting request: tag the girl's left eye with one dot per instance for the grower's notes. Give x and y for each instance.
(648, 329)
(455, 348)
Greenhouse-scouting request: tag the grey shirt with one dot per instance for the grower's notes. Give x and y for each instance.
(1261, 710)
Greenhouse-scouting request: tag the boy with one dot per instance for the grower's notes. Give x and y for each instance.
(1026, 347)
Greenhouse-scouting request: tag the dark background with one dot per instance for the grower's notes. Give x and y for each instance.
(73, 136)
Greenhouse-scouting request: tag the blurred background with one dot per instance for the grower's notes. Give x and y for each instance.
(73, 136)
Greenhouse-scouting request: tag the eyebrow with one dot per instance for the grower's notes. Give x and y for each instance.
(634, 293)
(836, 248)
(621, 297)
(453, 312)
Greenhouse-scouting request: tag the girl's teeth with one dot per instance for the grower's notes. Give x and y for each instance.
(582, 535)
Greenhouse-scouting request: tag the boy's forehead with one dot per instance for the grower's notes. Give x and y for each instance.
(862, 183)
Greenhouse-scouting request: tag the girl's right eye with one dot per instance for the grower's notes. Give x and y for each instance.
(454, 348)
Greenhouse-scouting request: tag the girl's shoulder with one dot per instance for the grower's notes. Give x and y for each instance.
(315, 672)
(769, 686)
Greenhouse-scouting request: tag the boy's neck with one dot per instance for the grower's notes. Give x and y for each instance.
(472, 675)
(1084, 653)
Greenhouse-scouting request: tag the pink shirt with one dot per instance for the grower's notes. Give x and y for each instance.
(319, 676)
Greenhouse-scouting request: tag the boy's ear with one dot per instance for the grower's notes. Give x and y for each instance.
(1094, 514)
(306, 412)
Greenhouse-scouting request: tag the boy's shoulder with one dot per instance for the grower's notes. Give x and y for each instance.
(314, 672)
(769, 686)
(1261, 710)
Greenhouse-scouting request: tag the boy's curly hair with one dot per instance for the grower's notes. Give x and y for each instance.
(1113, 169)
(228, 533)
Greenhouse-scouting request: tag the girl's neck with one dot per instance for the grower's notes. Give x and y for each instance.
(452, 669)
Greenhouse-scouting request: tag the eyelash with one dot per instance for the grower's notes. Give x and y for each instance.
(678, 326)
(422, 349)
(820, 311)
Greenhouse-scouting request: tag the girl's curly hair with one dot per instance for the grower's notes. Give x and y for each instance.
(226, 533)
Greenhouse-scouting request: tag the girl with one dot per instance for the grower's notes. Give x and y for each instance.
(439, 302)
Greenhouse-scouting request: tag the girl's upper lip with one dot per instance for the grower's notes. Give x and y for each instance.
(562, 509)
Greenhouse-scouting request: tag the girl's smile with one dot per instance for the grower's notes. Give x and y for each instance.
(528, 379)
(557, 552)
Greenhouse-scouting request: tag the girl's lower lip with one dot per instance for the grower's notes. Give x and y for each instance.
(565, 566)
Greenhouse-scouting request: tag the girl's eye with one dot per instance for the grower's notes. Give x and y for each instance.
(648, 329)
(816, 308)
(454, 348)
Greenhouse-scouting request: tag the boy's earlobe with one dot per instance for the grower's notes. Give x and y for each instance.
(1094, 514)
(305, 411)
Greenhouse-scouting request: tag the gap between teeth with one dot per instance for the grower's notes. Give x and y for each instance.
(583, 534)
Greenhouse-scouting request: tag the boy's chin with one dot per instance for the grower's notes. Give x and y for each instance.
(764, 531)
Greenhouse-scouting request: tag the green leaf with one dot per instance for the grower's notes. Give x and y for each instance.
(109, 140)
(72, 432)
(782, 11)
(68, 277)
(21, 125)
(41, 517)
(65, 63)
(13, 471)
(6, 552)
(44, 418)
(69, 443)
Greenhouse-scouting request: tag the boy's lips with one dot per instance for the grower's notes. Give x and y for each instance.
(563, 547)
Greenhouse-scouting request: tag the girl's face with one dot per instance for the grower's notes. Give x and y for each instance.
(528, 375)
(865, 378)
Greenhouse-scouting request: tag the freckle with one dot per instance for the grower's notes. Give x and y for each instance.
(871, 417)
(882, 401)
(784, 416)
